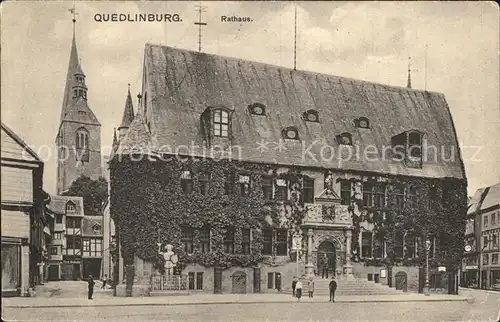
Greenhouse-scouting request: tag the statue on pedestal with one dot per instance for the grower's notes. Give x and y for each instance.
(170, 257)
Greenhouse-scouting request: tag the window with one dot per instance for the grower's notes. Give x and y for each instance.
(92, 247)
(58, 236)
(274, 281)
(379, 247)
(344, 138)
(366, 244)
(308, 190)
(199, 280)
(82, 113)
(267, 243)
(398, 244)
(228, 184)
(367, 194)
(379, 195)
(290, 133)
(494, 241)
(267, 187)
(204, 235)
(398, 194)
(59, 219)
(82, 138)
(96, 228)
(493, 219)
(75, 93)
(73, 242)
(244, 185)
(187, 239)
(485, 259)
(221, 123)
(345, 192)
(53, 250)
(415, 144)
(311, 116)
(362, 123)
(485, 242)
(191, 280)
(257, 109)
(410, 242)
(186, 182)
(485, 221)
(245, 241)
(73, 223)
(85, 94)
(494, 259)
(281, 189)
(204, 182)
(229, 241)
(412, 195)
(281, 242)
(70, 207)
(270, 280)
(86, 246)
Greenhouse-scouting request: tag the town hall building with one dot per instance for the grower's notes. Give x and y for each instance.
(228, 160)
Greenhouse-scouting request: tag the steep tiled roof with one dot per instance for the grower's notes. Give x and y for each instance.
(58, 205)
(181, 84)
(89, 222)
(138, 138)
(73, 113)
(128, 112)
(475, 202)
(492, 198)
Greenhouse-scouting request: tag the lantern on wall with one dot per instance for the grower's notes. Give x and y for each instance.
(442, 268)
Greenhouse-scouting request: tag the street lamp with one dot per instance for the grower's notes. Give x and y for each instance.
(427, 248)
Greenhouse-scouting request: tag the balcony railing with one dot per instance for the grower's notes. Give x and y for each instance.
(168, 282)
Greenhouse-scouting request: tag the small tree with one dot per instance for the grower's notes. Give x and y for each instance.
(94, 193)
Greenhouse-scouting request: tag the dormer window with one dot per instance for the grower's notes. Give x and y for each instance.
(290, 133)
(362, 123)
(311, 116)
(70, 207)
(344, 138)
(257, 109)
(407, 146)
(215, 122)
(96, 228)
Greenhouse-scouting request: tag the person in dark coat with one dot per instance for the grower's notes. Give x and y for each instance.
(91, 283)
(294, 283)
(324, 266)
(333, 288)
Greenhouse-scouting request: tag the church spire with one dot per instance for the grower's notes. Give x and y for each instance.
(408, 83)
(75, 77)
(128, 115)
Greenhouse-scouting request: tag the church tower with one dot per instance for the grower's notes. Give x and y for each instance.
(79, 136)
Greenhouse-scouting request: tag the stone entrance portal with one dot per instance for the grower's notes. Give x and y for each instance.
(239, 282)
(327, 248)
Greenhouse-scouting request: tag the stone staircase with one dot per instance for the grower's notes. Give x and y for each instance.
(354, 286)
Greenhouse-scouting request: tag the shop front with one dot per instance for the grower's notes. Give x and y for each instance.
(470, 276)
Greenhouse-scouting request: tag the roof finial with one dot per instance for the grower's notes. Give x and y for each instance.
(408, 84)
(74, 13)
(295, 43)
(200, 9)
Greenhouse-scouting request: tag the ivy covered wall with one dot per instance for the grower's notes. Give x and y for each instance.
(149, 206)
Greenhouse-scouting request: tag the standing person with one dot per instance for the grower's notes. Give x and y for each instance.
(91, 283)
(294, 283)
(311, 288)
(104, 281)
(298, 289)
(324, 266)
(333, 288)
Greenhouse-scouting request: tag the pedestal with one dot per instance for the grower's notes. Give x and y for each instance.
(309, 270)
(348, 266)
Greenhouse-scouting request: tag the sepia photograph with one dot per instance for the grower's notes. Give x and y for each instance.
(250, 160)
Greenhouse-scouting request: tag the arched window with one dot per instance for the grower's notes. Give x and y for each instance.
(220, 123)
(82, 138)
(70, 207)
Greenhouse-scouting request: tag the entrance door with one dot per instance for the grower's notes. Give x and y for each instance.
(76, 272)
(53, 273)
(401, 281)
(239, 282)
(326, 248)
(217, 280)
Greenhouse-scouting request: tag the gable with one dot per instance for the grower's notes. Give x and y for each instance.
(81, 112)
(182, 84)
(13, 147)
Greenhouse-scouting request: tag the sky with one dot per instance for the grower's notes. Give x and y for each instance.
(364, 40)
